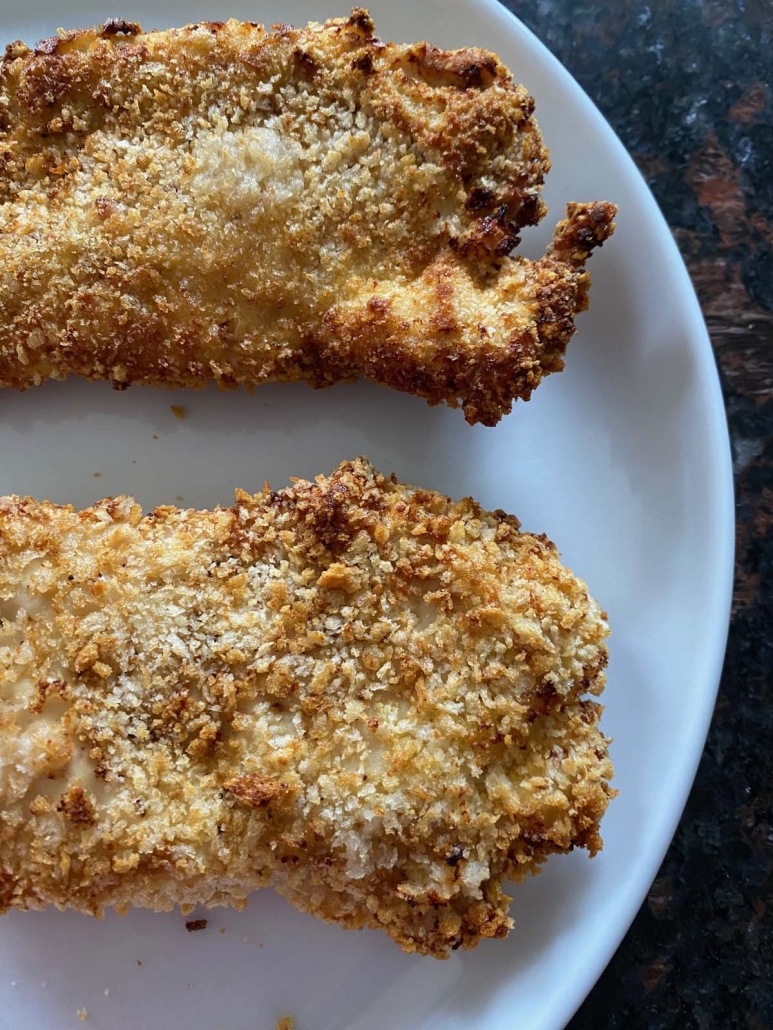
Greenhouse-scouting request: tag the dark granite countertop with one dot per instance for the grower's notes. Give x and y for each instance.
(687, 85)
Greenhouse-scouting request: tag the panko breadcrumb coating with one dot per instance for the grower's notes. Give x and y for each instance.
(367, 696)
(219, 202)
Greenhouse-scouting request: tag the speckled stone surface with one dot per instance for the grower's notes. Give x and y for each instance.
(687, 86)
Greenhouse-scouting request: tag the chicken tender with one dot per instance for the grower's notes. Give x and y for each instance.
(219, 202)
(360, 693)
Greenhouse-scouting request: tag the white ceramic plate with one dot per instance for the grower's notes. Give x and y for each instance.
(623, 460)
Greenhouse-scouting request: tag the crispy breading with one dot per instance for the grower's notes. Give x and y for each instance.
(219, 202)
(365, 695)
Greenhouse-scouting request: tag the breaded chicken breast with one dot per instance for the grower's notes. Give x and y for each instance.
(362, 694)
(219, 202)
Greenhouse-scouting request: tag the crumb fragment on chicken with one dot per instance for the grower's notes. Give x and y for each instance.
(360, 693)
(219, 202)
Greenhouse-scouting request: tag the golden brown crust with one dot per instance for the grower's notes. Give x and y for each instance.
(363, 694)
(219, 202)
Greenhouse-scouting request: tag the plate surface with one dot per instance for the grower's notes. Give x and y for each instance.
(623, 460)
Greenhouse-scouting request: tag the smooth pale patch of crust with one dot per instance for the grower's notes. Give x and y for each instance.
(219, 202)
(48, 689)
(372, 698)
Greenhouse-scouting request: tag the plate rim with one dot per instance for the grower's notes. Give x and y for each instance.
(720, 463)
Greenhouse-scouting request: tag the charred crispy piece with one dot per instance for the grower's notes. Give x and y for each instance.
(219, 202)
(365, 695)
